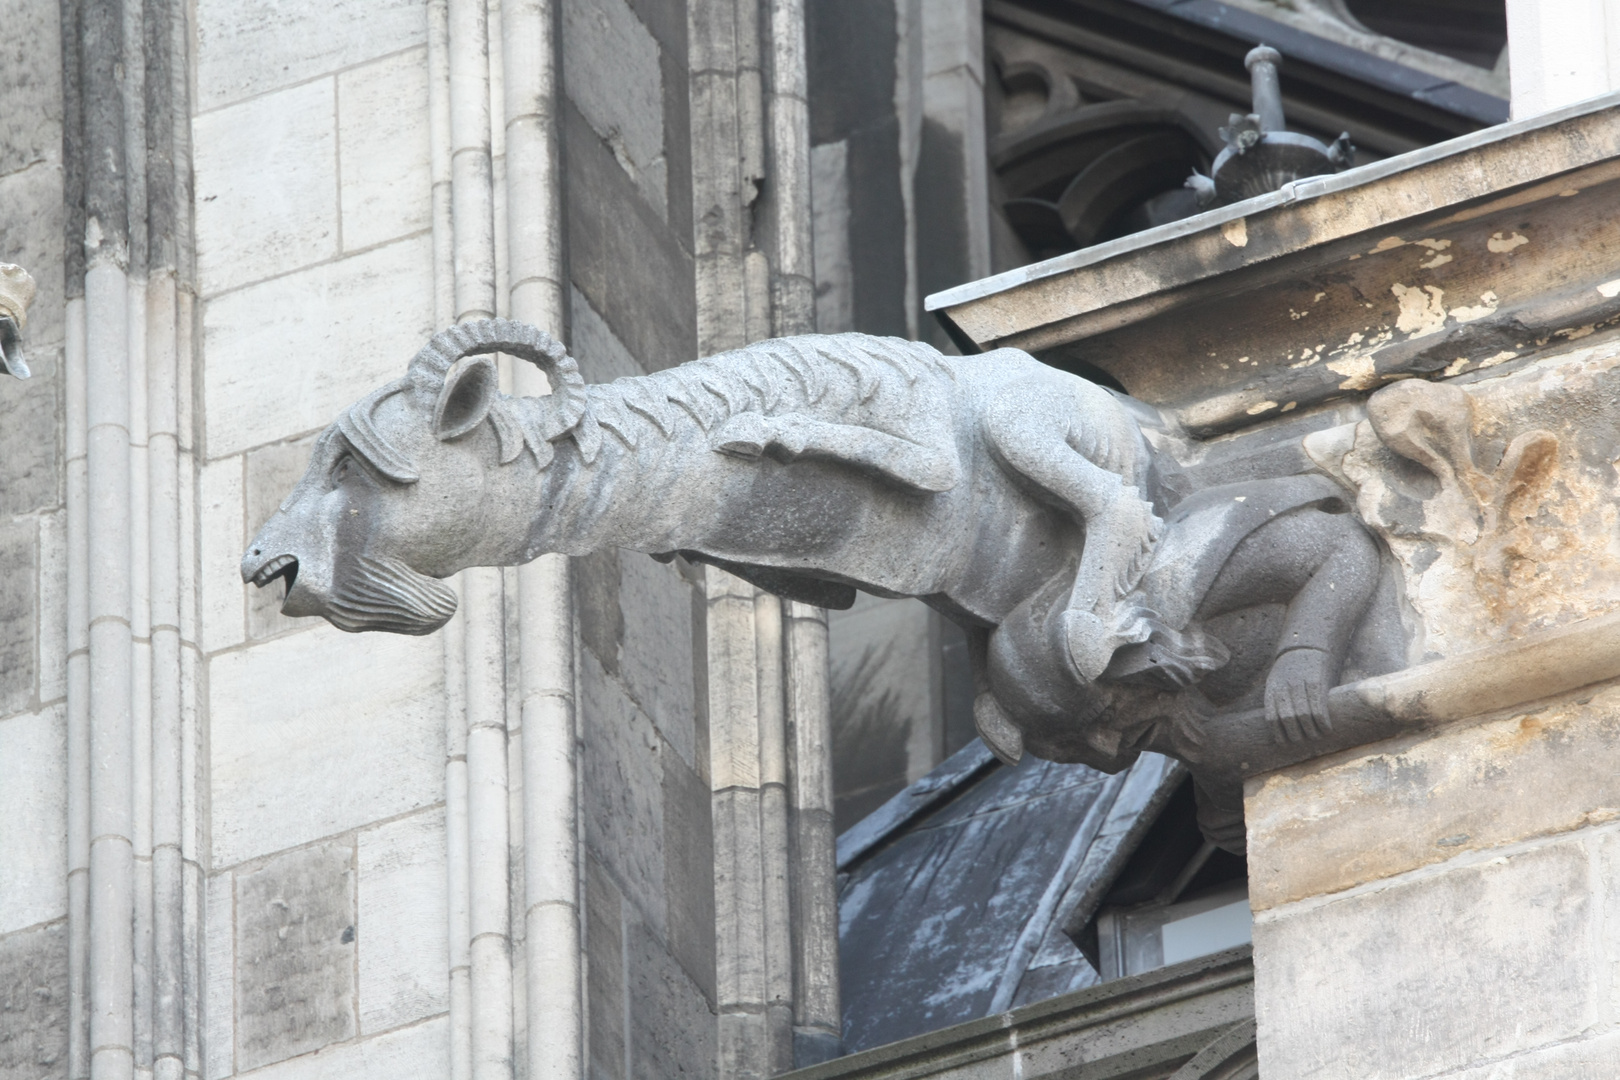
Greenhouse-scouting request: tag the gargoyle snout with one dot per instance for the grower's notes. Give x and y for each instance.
(268, 558)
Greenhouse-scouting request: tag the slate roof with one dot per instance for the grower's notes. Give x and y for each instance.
(954, 895)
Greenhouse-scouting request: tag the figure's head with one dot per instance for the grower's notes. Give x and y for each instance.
(415, 482)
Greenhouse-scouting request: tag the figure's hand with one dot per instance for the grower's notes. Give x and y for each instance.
(1296, 695)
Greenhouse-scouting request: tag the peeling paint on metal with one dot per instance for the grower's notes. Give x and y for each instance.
(1422, 310)
(1501, 244)
(1236, 232)
(1488, 303)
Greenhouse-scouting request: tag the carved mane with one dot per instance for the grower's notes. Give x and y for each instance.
(832, 373)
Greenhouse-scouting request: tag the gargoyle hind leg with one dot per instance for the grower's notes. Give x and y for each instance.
(1325, 568)
(1082, 448)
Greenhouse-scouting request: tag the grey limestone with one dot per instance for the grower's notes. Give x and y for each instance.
(605, 975)
(1369, 983)
(31, 438)
(295, 954)
(689, 873)
(34, 1003)
(627, 262)
(242, 54)
(621, 767)
(672, 1023)
(19, 554)
(612, 71)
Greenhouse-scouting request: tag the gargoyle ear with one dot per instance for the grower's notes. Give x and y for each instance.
(469, 390)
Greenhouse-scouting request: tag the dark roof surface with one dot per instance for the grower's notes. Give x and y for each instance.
(953, 895)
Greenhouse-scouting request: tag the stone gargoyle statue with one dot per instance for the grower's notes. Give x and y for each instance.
(1018, 500)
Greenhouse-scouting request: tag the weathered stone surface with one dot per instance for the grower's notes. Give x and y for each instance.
(611, 70)
(31, 85)
(19, 584)
(296, 758)
(267, 186)
(628, 264)
(403, 914)
(31, 437)
(220, 599)
(271, 472)
(382, 111)
(33, 218)
(219, 973)
(414, 1053)
(602, 356)
(670, 1020)
(1366, 815)
(244, 53)
(597, 609)
(33, 819)
(656, 662)
(621, 776)
(1434, 970)
(52, 606)
(295, 946)
(1590, 1058)
(605, 989)
(339, 330)
(34, 1003)
(689, 873)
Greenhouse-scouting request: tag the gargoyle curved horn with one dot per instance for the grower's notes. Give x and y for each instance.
(557, 413)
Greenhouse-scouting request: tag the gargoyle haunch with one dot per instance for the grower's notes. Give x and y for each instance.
(1105, 616)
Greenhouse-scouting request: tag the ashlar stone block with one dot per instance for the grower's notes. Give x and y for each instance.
(34, 1003)
(418, 1052)
(220, 589)
(383, 150)
(611, 71)
(30, 443)
(403, 914)
(219, 976)
(1431, 971)
(243, 52)
(266, 186)
(316, 733)
(605, 990)
(672, 1026)
(295, 946)
(33, 819)
(622, 772)
(1322, 827)
(31, 85)
(656, 659)
(18, 597)
(339, 330)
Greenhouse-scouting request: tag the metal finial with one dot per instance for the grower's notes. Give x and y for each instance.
(1263, 62)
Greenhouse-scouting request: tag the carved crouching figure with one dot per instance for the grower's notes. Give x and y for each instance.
(1016, 499)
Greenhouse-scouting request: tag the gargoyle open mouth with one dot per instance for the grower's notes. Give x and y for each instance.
(282, 566)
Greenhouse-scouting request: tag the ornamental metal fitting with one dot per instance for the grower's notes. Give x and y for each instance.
(1261, 154)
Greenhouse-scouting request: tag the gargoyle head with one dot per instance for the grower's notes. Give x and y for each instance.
(412, 484)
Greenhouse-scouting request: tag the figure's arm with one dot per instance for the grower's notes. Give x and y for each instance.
(906, 463)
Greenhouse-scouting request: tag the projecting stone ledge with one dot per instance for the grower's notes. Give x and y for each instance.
(1191, 1021)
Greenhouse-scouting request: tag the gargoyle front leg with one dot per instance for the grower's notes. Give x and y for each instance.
(1082, 449)
(912, 465)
